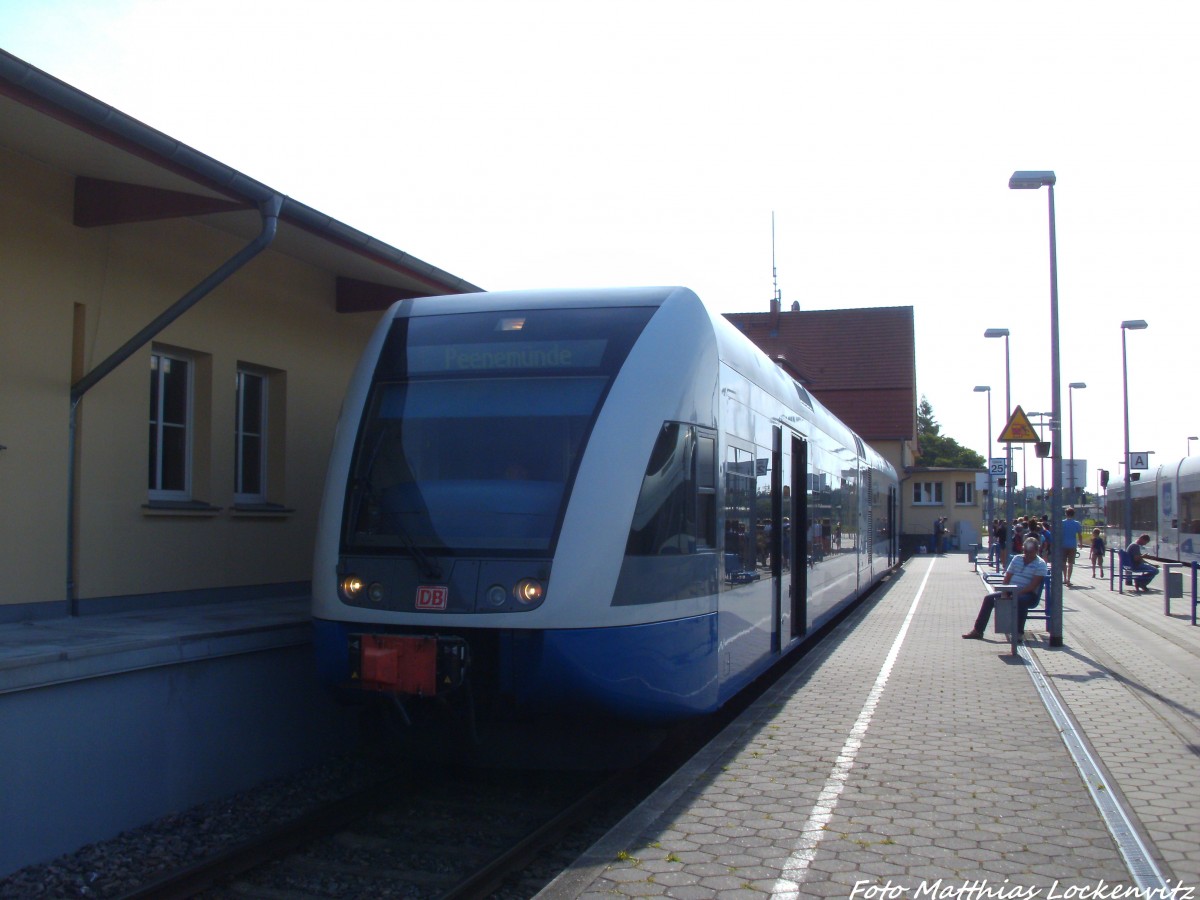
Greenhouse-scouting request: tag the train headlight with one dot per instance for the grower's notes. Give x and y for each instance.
(529, 591)
(496, 596)
(352, 587)
(375, 592)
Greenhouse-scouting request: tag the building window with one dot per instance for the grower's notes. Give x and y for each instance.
(170, 466)
(250, 438)
(927, 493)
(964, 492)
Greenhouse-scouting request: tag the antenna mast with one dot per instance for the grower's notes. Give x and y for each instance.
(776, 299)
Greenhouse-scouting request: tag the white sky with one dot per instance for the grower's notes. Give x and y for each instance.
(517, 143)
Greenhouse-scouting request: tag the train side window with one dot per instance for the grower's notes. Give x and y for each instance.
(706, 489)
(665, 518)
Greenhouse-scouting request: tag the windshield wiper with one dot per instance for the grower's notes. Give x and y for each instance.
(429, 567)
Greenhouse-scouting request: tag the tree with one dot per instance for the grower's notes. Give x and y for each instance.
(939, 450)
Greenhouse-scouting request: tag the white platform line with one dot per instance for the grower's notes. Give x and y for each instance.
(787, 887)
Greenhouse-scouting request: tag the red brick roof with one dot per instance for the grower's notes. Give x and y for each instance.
(860, 363)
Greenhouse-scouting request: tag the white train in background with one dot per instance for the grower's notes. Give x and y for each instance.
(1166, 506)
(585, 502)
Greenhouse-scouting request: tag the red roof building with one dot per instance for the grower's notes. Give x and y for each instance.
(860, 363)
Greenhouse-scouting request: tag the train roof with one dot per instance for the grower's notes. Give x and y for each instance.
(733, 347)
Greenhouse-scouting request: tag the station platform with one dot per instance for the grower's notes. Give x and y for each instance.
(44, 652)
(113, 720)
(898, 761)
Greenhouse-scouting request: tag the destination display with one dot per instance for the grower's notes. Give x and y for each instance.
(506, 356)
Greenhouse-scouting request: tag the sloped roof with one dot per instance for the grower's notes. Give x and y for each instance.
(127, 171)
(861, 363)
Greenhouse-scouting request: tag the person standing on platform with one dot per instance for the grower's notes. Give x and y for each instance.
(937, 535)
(1098, 549)
(1137, 562)
(1071, 530)
(1026, 572)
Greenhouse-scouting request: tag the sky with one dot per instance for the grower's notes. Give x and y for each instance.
(556, 143)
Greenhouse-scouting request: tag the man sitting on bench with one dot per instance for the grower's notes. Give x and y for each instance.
(1026, 572)
(1144, 572)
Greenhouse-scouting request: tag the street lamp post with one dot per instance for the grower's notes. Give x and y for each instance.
(1036, 181)
(1189, 453)
(1071, 388)
(1008, 501)
(1128, 325)
(979, 389)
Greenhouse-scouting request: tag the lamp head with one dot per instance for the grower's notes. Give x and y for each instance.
(996, 332)
(1021, 181)
(1077, 385)
(1134, 324)
(980, 388)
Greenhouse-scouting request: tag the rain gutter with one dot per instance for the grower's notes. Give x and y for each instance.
(269, 210)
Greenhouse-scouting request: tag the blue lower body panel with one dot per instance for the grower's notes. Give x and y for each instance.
(653, 673)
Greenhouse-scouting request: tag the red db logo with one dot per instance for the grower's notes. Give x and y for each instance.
(432, 597)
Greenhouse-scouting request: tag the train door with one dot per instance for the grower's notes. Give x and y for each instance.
(788, 527)
(794, 471)
(889, 526)
(778, 541)
(869, 496)
(1168, 519)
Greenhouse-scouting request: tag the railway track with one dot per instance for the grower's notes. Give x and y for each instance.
(450, 834)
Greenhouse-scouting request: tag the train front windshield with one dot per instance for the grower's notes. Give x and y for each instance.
(475, 426)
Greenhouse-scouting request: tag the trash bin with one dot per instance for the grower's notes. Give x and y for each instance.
(972, 553)
(1004, 616)
(1174, 585)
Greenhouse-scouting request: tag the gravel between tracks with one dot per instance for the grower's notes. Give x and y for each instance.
(115, 867)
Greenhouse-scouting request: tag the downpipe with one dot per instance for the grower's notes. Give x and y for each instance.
(269, 210)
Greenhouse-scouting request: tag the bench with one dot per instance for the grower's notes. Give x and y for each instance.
(1166, 568)
(993, 582)
(973, 551)
(1119, 568)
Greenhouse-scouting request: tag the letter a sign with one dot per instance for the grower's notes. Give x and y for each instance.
(1019, 430)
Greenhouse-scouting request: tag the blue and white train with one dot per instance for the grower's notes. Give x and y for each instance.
(587, 501)
(1166, 506)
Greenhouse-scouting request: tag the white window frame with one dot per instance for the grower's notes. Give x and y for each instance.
(928, 493)
(968, 492)
(264, 380)
(156, 423)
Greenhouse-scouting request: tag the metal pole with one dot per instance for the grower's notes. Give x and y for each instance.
(1008, 463)
(990, 508)
(1127, 511)
(1071, 426)
(1054, 611)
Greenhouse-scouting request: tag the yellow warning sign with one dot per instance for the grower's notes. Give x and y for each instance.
(1018, 430)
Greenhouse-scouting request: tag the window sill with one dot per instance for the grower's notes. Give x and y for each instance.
(186, 508)
(260, 511)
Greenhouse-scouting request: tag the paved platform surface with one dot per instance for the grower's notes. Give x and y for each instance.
(900, 761)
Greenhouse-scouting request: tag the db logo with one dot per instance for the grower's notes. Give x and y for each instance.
(432, 597)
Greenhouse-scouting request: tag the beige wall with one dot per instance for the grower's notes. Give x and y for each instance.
(918, 518)
(276, 313)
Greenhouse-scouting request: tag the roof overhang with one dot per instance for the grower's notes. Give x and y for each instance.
(126, 171)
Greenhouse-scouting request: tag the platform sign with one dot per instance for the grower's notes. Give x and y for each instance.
(1019, 429)
(1074, 471)
(1139, 461)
